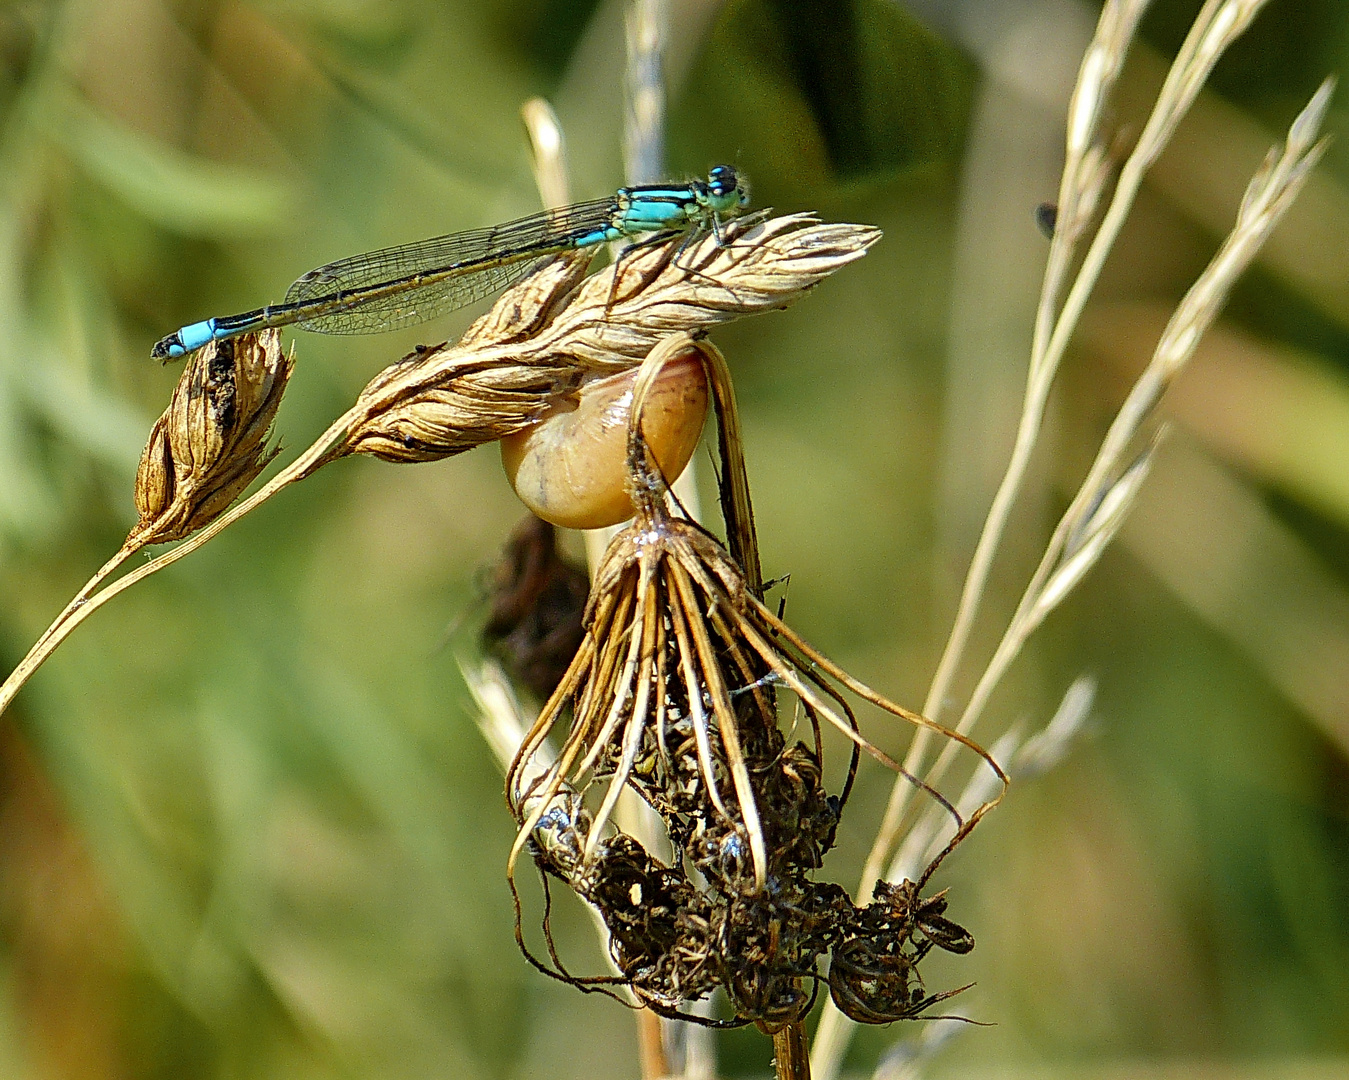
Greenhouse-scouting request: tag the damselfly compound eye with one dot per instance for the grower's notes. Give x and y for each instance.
(571, 467)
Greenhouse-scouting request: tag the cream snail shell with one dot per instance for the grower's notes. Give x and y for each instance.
(571, 467)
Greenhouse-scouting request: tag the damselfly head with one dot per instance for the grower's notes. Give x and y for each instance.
(726, 188)
(722, 180)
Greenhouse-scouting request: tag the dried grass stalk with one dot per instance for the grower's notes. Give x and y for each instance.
(1114, 480)
(541, 339)
(1218, 24)
(1111, 485)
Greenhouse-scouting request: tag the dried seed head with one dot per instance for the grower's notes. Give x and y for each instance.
(571, 468)
(673, 637)
(553, 332)
(426, 422)
(674, 692)
(210, 443)
(757, 264)
(535, 603)
(442, 401)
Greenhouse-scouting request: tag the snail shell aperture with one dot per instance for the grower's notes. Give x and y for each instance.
(571, 467)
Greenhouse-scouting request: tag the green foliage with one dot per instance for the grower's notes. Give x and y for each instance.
(256, 778)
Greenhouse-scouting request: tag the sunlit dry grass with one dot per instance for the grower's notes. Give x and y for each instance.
(273, 783)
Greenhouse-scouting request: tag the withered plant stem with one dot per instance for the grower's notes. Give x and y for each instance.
(650, 1046)
(791, 1053)
(736, 510)
(791, 1046)
(87, 601)
(42, 648)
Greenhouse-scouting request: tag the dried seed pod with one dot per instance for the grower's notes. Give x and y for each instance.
(571, 467)
(211, 442)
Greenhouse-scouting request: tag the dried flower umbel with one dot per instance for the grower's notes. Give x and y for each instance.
(536, 598)
(674, 693)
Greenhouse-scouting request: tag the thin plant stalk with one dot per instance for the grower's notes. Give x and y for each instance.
(645, 102)
(646, 26)
(1217, 26)
(791, 1053)
(644, 116)
(87, 601)
(548, 152)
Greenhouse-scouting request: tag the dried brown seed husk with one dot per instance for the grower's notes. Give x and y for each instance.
(442, 401)
(757, 264)
(553, 331)
(211, 442)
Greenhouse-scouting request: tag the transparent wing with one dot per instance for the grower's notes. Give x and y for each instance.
(416, 304)
(409, 284)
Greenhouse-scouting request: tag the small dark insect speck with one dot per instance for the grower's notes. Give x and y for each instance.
(1046, 218)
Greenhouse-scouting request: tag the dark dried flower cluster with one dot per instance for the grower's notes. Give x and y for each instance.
(674, 694)
(536, 599)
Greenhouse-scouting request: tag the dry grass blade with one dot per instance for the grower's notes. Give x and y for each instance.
(1107, 492)
(1216, 27)
(548, 157)
(1109, 489)
(1085, 164)
(644, 115)
(540, 340)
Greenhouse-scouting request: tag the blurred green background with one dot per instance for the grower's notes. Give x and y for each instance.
(247, 825)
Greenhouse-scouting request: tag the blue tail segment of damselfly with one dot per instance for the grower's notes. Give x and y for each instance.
(402, 286)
